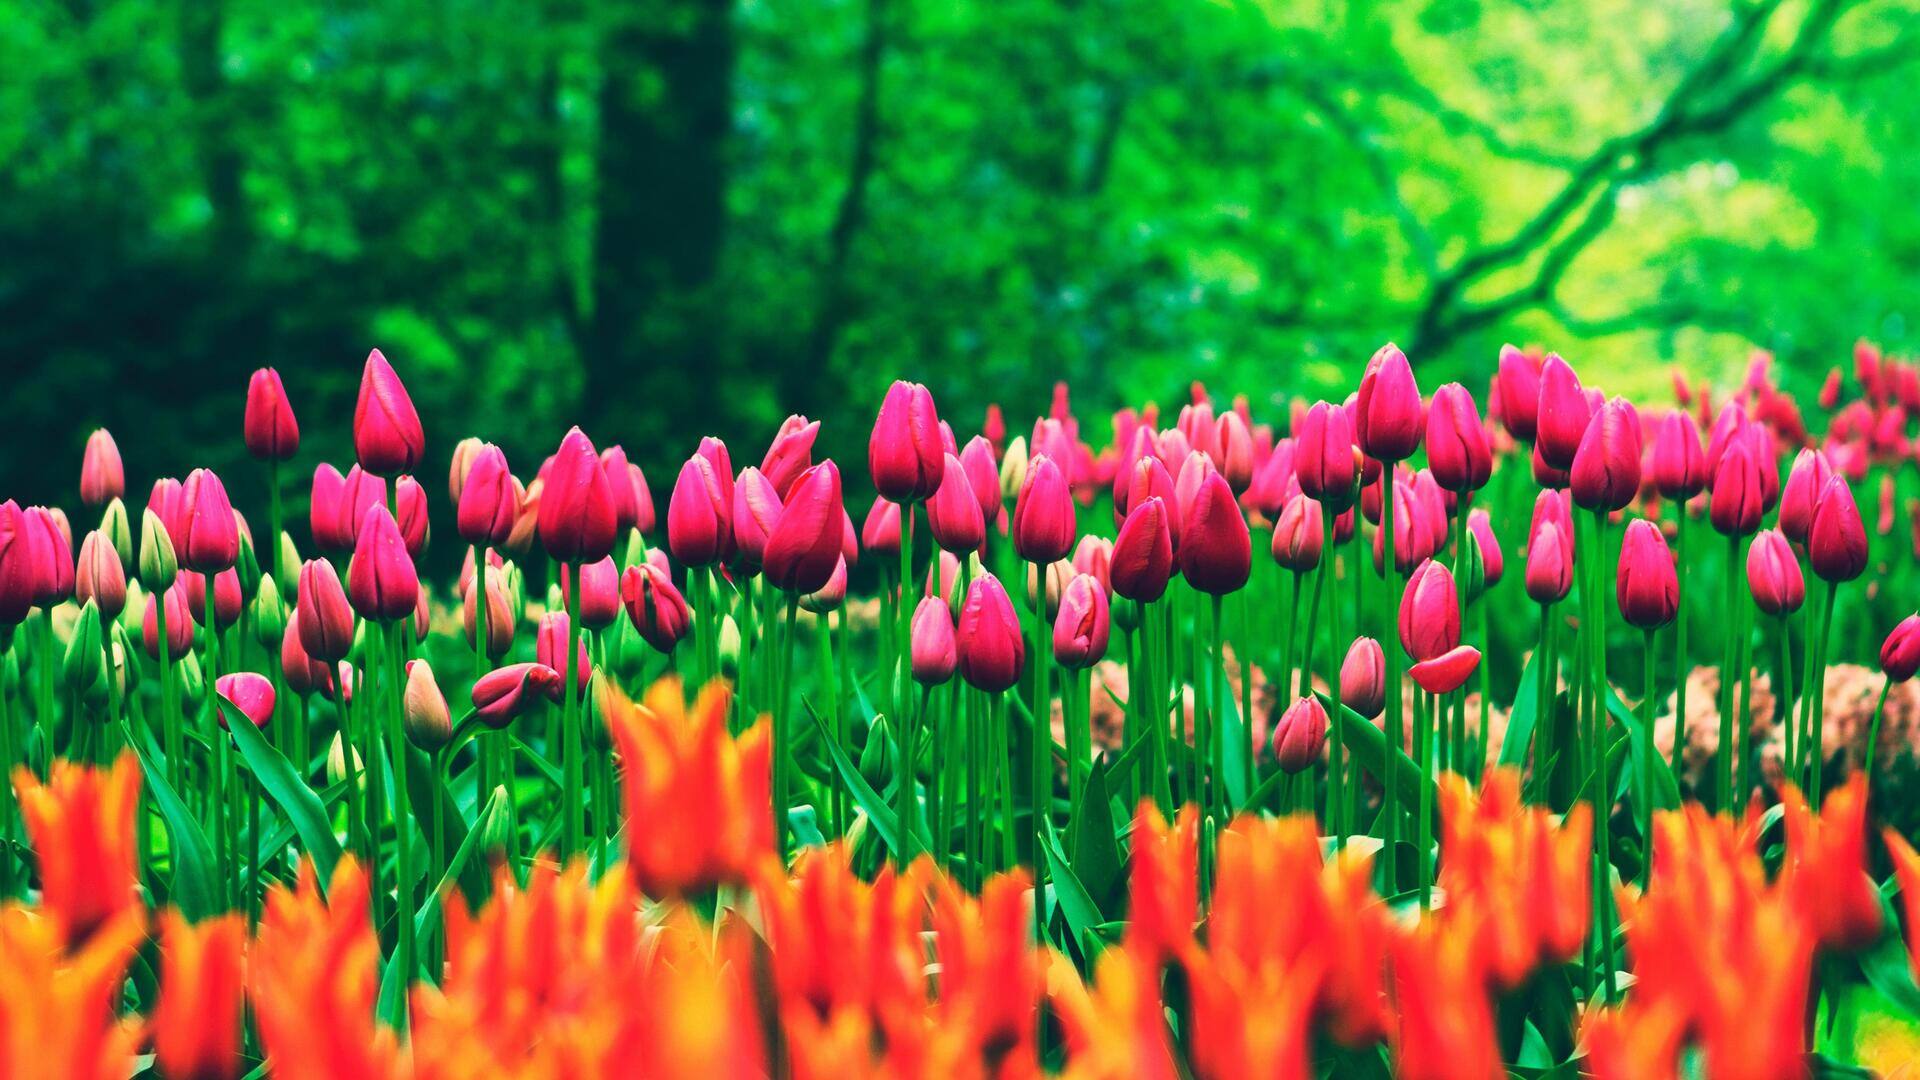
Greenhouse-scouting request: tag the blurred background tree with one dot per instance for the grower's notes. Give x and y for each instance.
(682, 216)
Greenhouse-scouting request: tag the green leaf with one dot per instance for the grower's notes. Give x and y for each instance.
(869, 800)
(1368, 745)
(1096, 853)
(193, 888)
(296, 800)
(1886, 966)
(1526, 708)
(1082, 914)
(1666, 792)
(423, 787)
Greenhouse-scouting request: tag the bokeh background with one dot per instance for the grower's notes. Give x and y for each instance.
(674, 217)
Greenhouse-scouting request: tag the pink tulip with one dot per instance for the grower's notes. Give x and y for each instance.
(488, 503)
(326, 620)
(1217, 553)
(655, 606)
(1363, 678)
(577, 518)
(990, 649)
(382, 582)
(1606, 468)
(700, 515)
(934, 652)
(1324, 456)
(1563, 415)
(180, 625)
(790, 454)
(1447, 672)
(1388, 415)
(904, 453)
(550, 648)
(1300, 738)
(804, 547)
(209, 538)
(102, 477)
(1773, 574)
(1082, 627)
(1457, 449)
(1518, 384)
(249, 692)
(386, 430)
(756, 507)
(1837, 540)
(954, 514)
(503, 694)
(1647, 587)
(1300, 535)
(268, 427)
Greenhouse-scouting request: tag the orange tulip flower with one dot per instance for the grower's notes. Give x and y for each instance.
(81, 825)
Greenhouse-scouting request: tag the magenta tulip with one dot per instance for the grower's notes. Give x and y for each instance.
(1388, 414)
(577, 522)
(488, 503)
(1563, 415)
(209, 538)
(756, 507)
(1518, 385)
(382, 582)
(1773, 574)
(655, 607)
(953, 514)
(905, 454)
(1363, 678)
(1457, 449)
(1300, 738)
(1217, 553)
(1142, 561)
(700, 515)
(1678, 464)
(790, 454)
(1837, 540)
(326, 619)
(1646, 585)
(934, 652)
(989, 646)
(386, 430)
(804, 547)
(268, 427)
(1900, 653)
(1082, 626)
(504, 693)
(248, 692)
(102, 477)
(1447, 672)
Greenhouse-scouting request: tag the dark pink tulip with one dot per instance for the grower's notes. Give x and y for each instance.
(804, 547)
(1606, 468)
(1273, 482)
(599, 603)
(180, 625)
(386, 431)
(934, 652)
(1447, 672)
(249, 692)
(849, 538)
(412, 499)
(1432, 512)
(1678, 464)
(904, 453)
(17, 575)
(1563, 415)
(488, 502)
(1549, 563)
(1143, 552)
(1388, 415)
(791, 453)
(577, 522)
(1546, 475)
(550, 648)
(326, 616)
(268, 426)
(953, 514)
(1323, 456)
(303, 673)
(880, 532)
(700, 515)
(655, 606)
(1429, 612)
(716, 454)
(990, 648)
(1837, 542)
(504, 693)
(1900, 653)
(1805, 481)
(1518, 384)
(164, 500)
(983, 476)
(381, 580)
(1646, 585)
(1300, 738)
(1773, 574)
(1194, 471)
(330, 532)
(360, 491)
(51, 557)
(1493, 562)
(1363, 678)
(831, 596)
(643, 514)
(227, 601)
(1217, 553)
(209, 538)
(1766, 457)
(1727, 430)
(1300, 535)
(1737, 504)
(499, 613)
(756, 506)
(1043, 517)
(102, 477)
(1093, 555)
(1083, 624)
(626, 498)
(1457, 449)
(97, 576)
(1234, 451)
(1151, 480)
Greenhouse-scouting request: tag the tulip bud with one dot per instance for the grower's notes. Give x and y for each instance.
(501, 618)
(1300, 535)
(829, 597)
(16, 568)
(877, 755)
(97, 577)
(179, 625)
(1234, 452)
(1013, 469)
(190, 679)
(268, 426)
(1737, 504)
(85, 665)
(248, 692)
(1216, 551)
(756, 506)
(1563, 415)
(208, 539)
(1773, 574)
(227, 600)
(1447, 672)
(102, 477)
(1457, 449)
(411, 500)
(1043, 517)
(624, 496)
(51, 556)
(269, 613)
(1300, 738)
(326, 617)
(954, 514)
(1152, 481)
(505, 693)
(386, 430)
(1387, 414)
(1837, 540)
(1093, 555)
(123, 668)
(1518, 385)
(1606, 467)
(1805, 481)
(804, 547)
(577, 522)
(1429, 612)
(423, 708)
(381, 580)
(791, 453)
(1679, 465)
(700, 515)
(1142, 562)
(1900, 653)
(655, 606)
(934, 653)
(550, 648)
(599, 593)
(990, 649)
(904, 453)
(1647, 588)
(337, 757)
(461, 466)
(1486, 547)
(1549, 564)
(119, 535)
(1083, 625)
(1363, 678)
(983, 476)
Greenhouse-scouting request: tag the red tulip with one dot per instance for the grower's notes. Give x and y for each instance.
(227, 601)
(905, 454)
(1043, 519)
(1679, 465)
(1234, 451)
(381, 580)
(983, 476)
(756, 506)
(550, 648)
(16, 565)
(1737, 504)
(1363, 678)
(303, 673)
(1773, 574)
(1837, 541)
(577, 522)
(1647, 587)
(599, 603)
(1447, 672)
(102, 477)
(1217, 553)
(504, 693)
(209, 538)
(1323, 456)
(269, 428)
(804, 547)
(326, 621)
(488, 503)
(1388, 419)
(98, 576)
(1518, 384)
(1606, 467)
(1300, 738)
(1457, 449)
(1564, 413)
(386, 431)
(990, 648)
(1082, 626)
(1900, 653)
(954, 515)
(880, 532)
(790, 454)
(1142, 561)
(934, 654)
(1300, 535)
(180, 626)
(1152, 480)
(1549, 563)
(1493, 563)
(1429, 612)
(700, 515)
(1805, 481)
(249, 692)
(655, 606)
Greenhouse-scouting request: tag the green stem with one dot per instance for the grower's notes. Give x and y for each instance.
(1873, 730)
(1396, 726)
(1041, 776)
(783, 735)
(1818, 689)
(1646, 756)
(1218, 741)
(1682, 663)
(1336, 749)
(402, 798)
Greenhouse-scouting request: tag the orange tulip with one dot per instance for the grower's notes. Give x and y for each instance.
(59, 1001)
(196, 1025)
(81, 825)
(313, 979)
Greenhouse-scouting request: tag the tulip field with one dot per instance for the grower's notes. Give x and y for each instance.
(1514, 730)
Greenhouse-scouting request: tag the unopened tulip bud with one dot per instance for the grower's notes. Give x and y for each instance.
(387, 437)
(904, 453)
(655, 606)
(1549, 564)
(1216, 550)
(1738, 497)
(428, 722)
(1606, 466)
(1457, 449)
(85, 664)
(337, 756)
(1300, 738)
(1363, 678)
(1900, 653)
(1647, 587)
(954, 514)
(1773, 574)
(501, 618)
(1300, 535)
(115, 526)
(190, 679)
(97, 577)
(1043, 516)
(49, 557)
(488, 503)
(382, 581)
(1563, 414)
(504, 693)
(829, 597)
(207, 541)
(1143, 553)
(599, 592)
(102, 477)
(1429, 612)
(1388, 416)
(550, 648)
(1486, 547)
(461, 466)
(1805, 482)
(805, 545)
(180, 625)
(877, 756)
(1234, 451)
(934, 652)
(158, 567)
(1518, 386)
(620, 488)
(1837, 540)
(1679, 465)
(1093, 555)
(326, 617)
(1082, 628)
(269, 613)
(1013, 469)
(269, 428)
(577, 520)
(227, 601)
(700, 515)
(991, 651)
(134, 607)
(247, 692)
